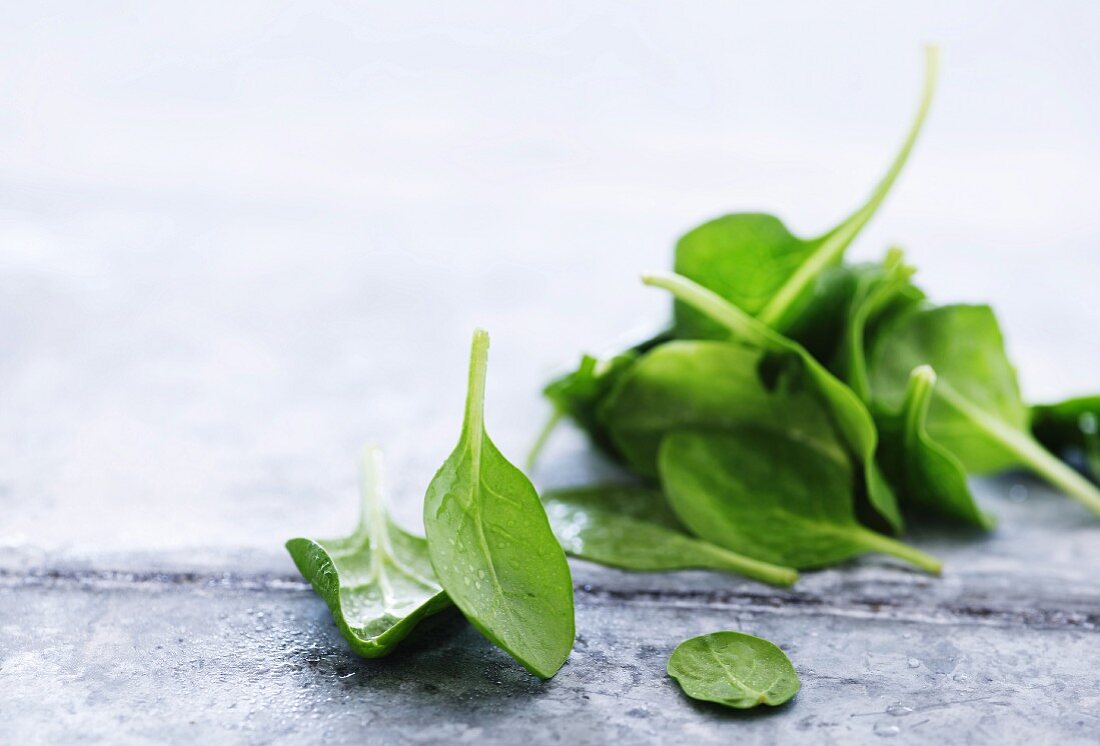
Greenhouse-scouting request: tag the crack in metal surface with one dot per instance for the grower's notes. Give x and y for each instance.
(849, 602)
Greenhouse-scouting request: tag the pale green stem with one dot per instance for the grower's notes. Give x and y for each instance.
(743, 326)
(836, 241)
(543, 437)
(474, 425)
(884, 544)
(749, 567)
(1027, 450)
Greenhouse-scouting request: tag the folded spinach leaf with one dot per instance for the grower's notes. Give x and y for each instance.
(976, 413)
(753, 261)
(632, 527)
(733, 669)
(927, 476)
(491, 544)
(843, 408)
(378, 582)
(879, 290)
(771, 496)
(1071, 428)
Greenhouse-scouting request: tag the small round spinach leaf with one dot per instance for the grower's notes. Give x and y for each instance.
(733, 669)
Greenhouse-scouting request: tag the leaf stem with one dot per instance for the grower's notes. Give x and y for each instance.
(547, 430)
(1027, 450)
(749, 567)
(474, 424)
(741, 324)
(834, 243)
(884, 544)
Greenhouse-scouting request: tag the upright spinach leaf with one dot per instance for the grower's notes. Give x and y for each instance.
(491, 544)
(1071, 428)
(977, 412)
(754, 262)
(926, 475)
(633, 528)
(770, 496)
(378, 582)
(847, 413)
(733, 669)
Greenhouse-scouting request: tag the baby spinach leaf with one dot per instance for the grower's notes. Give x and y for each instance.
(977, 412)
(878, 289)
(1071, 427)
(770, 496)
(754, 262)
(712, 385)
(491, 545)
(733, 669)
(844, 409)
(378, 582)
(927, 476)
(578, 394)
(632, 527)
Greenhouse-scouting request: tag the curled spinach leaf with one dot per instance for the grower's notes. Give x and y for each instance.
(753, 261)
(491, 544)
(733, 669)
(632, 528)
(1071, 428)
(977, 412)
(927, 476)
(844, 409)
(378, 582)
(770, 496)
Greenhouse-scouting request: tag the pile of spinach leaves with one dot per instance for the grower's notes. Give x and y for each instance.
(797, 411)
(800, 409)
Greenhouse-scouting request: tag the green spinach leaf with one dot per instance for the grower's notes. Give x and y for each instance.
(378, 582)
(1071, 428)
(754, 262)
(927, 476)
(733, 669)
(491, 544)
(632, 527)
(770, 496)
(977, 412)
(843, 408)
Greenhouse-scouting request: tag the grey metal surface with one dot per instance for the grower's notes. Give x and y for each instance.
(238, 243)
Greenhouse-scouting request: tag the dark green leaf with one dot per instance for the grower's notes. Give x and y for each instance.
(770, 496)
(753, 261)
(733, 669)
(491, 545)
(633, 528)
(1071, 428)
(378, 582)
(977, 412)
(841, 406)
(928, 478)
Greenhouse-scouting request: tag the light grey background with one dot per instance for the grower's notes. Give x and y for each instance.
(240, 240)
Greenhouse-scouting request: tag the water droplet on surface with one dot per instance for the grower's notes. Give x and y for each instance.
(886, 731)
(1018, 493)
(914, 663)
(898, 710)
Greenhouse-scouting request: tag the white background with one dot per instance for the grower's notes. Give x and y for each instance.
(237, 240)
